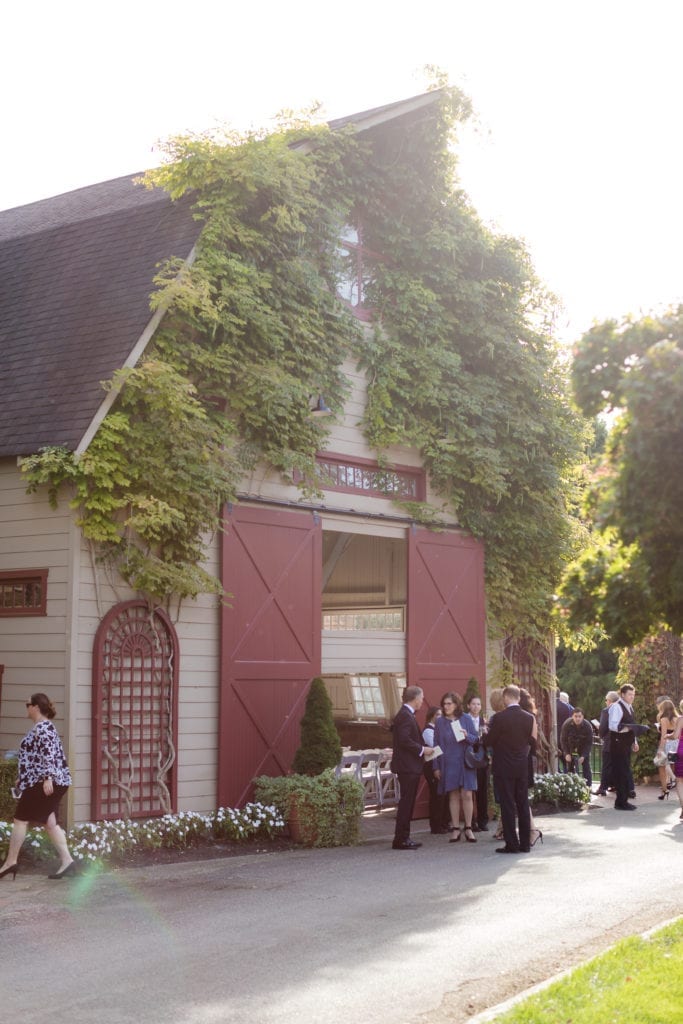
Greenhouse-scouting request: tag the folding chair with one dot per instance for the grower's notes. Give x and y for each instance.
(388, 782)
(349, 765)
(369, 776)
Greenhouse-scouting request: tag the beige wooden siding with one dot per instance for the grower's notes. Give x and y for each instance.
(33, 649)
(366, 652)
(346, 438)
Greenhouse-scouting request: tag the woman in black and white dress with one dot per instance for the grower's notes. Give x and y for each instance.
(42, 781)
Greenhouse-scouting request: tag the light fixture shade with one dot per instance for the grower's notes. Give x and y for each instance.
(321, 408)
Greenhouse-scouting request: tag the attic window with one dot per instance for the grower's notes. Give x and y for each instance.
(23, 592)
(357, 263)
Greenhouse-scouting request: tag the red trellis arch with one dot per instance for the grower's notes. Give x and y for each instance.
(135, 720)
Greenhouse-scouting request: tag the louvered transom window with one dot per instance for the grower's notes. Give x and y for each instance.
(365, 477)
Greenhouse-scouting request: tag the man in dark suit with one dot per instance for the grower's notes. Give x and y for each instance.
(510, 733)
(564, 710)
(622, 738)
(406, 763)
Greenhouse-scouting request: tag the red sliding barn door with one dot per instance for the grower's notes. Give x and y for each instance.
(446, 618)
(270, 642)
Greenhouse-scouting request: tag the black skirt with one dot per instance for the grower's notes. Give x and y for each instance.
(36, 807)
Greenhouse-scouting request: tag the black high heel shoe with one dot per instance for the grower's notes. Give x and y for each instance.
(539, 835)
(664, 795)
(69, 871)
(12, 868)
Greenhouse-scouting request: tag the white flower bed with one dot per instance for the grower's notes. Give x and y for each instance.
(563, 790)
(103, 840)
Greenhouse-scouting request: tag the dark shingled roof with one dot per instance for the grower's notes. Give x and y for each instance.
(76, 276)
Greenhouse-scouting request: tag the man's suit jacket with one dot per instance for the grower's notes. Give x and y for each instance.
(407, 756)
(510, 736)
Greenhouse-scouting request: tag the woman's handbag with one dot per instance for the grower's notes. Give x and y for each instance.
(475, 756)
(671, 748)
(660, 759)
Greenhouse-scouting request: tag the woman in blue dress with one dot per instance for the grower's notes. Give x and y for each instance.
(455, 778)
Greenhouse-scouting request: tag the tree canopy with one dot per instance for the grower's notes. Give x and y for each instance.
(461, 362)
(630, 579)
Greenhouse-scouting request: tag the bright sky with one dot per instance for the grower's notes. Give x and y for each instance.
(578, 146)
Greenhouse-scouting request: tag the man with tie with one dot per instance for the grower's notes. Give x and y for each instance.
(510, 733)
(622, 737)
(406, 763)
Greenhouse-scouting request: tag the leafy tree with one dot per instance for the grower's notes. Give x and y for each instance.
(471, 691)
(630, 580)
(587, 676)
(320, 746)
(654, 667)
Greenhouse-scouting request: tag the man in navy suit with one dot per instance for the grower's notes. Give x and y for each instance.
(406, 763)
(510, 733)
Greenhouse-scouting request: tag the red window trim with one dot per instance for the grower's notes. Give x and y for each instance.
(29, 576)
(362, 255)
(413, 472)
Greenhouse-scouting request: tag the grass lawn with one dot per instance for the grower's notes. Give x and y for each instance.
(639, 981)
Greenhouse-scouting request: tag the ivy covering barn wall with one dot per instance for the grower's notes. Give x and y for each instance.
(460, 359)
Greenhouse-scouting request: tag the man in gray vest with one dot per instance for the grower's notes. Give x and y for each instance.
(622, 732)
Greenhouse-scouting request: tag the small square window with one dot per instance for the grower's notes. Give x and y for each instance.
(23, 592)
(366, 693)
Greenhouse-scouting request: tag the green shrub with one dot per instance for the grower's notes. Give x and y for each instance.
(8, 775)
(327, 810)
(471, 691)
(320, 746)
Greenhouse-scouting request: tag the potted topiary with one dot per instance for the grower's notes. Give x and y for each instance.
(320, 747)
(320, 809)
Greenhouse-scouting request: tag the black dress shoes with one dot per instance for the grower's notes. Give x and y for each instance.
(507, 849)
(625, 807)
(407, 844)
(482, 827)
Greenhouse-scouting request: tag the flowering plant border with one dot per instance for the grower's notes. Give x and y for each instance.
(561, 789)
(113, 840)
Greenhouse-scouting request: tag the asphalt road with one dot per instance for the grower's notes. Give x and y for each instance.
(336, 936)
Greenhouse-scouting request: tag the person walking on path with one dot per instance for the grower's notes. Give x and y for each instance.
(666, 723)
(603, 732)
(42, 781)
(406, 763)
(564, 710)
(482, 815)
(622, 731)
(677, 734)
(439, 815)
(453, 731)
(510, 734)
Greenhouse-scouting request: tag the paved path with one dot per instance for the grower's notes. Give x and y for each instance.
(360, 935)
